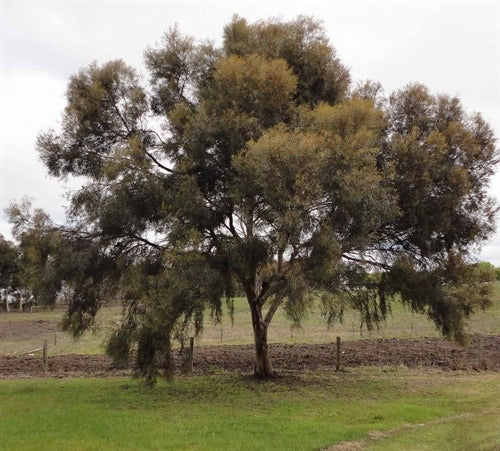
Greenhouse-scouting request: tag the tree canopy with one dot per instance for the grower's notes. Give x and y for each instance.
(257, 166)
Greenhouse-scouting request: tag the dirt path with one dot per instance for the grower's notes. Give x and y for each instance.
(360, 445)
(411, 353)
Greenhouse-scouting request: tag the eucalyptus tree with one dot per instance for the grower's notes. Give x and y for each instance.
(255, 164)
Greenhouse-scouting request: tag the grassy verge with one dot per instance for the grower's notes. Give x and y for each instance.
(299, 412)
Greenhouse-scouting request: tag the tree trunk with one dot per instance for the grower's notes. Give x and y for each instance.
(263, 368)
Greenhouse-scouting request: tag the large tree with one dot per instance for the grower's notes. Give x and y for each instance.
(255, 165)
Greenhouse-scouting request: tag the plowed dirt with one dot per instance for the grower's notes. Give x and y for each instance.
(482, 353)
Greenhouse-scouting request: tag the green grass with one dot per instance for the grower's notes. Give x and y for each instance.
(401, 324)
(460, 433)
(300, 412)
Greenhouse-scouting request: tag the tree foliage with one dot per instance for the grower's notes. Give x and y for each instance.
(53, 258)
(256, 165)
(9, 270)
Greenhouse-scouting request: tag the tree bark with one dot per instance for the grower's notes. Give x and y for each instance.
(263, 368)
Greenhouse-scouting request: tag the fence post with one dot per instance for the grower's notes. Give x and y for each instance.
(191, 354)
(45, 356)
(188, 362)
(482, 360)
(221, 335)
(337, 367)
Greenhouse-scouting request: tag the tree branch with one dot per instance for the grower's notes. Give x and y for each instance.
(366, 261)
(157, 135)
(121, 117)
(277, 301)
(165, 168)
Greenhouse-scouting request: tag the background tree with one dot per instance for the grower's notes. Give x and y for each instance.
(52, 259)
(268, 172)
(36, 252)
(9, 270)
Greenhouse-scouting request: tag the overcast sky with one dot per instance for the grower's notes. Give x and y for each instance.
(451, 46)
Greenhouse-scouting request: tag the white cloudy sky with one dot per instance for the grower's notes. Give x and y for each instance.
(450, 46)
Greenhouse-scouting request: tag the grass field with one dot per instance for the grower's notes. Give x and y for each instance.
(390, 408)
(396, 409)
(401, 324)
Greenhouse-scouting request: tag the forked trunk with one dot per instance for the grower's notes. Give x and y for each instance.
(263, 368)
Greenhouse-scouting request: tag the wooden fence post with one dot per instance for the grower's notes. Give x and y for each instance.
(188, 362)
(337, 367)
(45, 356)
(191, 354)
(482, 360)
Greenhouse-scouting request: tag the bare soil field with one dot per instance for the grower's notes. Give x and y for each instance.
(482, 353)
